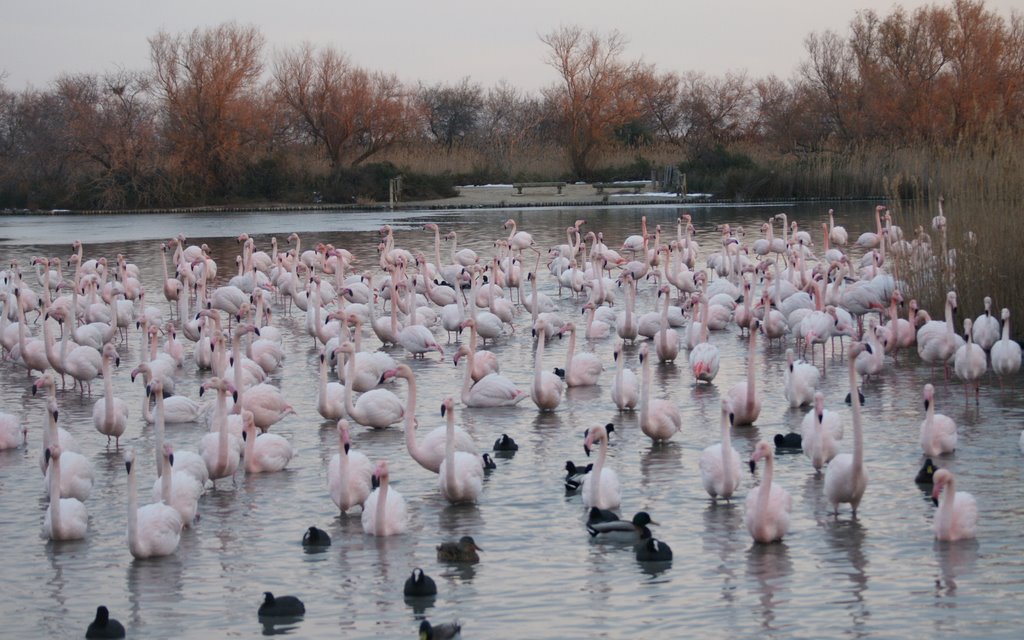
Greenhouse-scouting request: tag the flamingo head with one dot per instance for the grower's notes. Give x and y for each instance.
(940, 479)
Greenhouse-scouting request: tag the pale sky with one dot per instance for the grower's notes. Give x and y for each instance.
(432, 41)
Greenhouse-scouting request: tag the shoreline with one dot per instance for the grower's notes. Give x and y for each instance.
(470, 197)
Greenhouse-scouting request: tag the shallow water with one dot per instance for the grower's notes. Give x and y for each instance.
(540, 576)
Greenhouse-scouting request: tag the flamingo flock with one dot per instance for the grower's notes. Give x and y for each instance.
(639, 304)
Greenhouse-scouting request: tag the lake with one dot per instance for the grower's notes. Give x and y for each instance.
(881, 574)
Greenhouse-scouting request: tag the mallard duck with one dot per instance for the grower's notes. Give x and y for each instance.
(574, 475)
(635, 529)
(465, 550)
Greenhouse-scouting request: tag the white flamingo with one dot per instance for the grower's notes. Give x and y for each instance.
(799, 381)
(154, 529)
(600, 487)
(847, 477)
(743, 397)
(179, 489)
(66, 518)
(492, 390)
(1005, 352)
(546, 390)
(659, 418)
(581, 369)
(384, 512)
(349, 473)
(938, 431)
(268, 453)
(625, 391)
(460, 476)
(720, 463)
(821, 429)
(970, 362)
(109, 413)
(957, 515)
(768, 505)
(376, 408)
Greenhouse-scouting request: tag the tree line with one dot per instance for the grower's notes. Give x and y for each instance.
(214, 119)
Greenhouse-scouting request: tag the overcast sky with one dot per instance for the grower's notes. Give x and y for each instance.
(433, 41)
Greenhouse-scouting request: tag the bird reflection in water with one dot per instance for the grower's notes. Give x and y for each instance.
(771, 569)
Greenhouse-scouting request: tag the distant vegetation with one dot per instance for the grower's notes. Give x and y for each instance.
(908, 104)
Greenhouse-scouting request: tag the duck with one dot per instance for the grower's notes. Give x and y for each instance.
(788, 441)
(505, 444)
(926, 473)
(653, 550)
(463, 551)
(574, 475)
(626, 530)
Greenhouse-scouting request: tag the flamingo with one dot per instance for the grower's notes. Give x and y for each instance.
(66, 518)
(154, 529)
(847, 477)
(461, 475)
(799, 381)
(330, 398)
(625, 392)
(836, 234)
(492, 390)
(1005, 352)
(384, 512)
(376, 408)
(768, 505)
(546, 390)
(970, 362)
(743, 397)
(938, 431)
(76, 471)
(184, 461)
(601, 486)
(349, 473)
(666, 340)
(704, 358)
(820, 429)
(267, 453)
(937, 341)
(720, 463)
(659, 418)
(12, 432)
(957, 516)
(221, 451)
(179, 489)
(110, 414)
(581, 369)
(986, 328)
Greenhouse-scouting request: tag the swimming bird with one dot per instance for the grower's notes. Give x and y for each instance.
(625, 530)
(799, 380)
(419, 585)
(103, 626)
(926, 473)
(788, 441)
(446, 631)
(315, 537)
(465, 550)
(653, 550)
(659, 418)
(282, 607)
(505, 444)
(1005, 352)
(574, 475)
(970, 362)
(957, 516)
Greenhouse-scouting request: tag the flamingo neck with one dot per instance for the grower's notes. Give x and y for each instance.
(133, 510)
(222, 431)
(538, 363)
(944, 514)
(764, 496)
(159, 435)
(595, 490)
(858, 434)
(55, 520)
(570, 351)
(751, 354)
(350, 376)
(645, 388)
(727, 452)
(382, 511)
(165, 480)
(449, 450)
(250, 449)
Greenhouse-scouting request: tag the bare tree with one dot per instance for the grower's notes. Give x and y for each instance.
(347, 111)
(207, 79)
(595, 95)
(451, 112)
